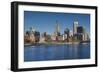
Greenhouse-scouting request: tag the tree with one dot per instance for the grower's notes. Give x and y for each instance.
(66, 31)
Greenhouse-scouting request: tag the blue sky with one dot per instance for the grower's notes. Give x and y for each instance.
(46, 21)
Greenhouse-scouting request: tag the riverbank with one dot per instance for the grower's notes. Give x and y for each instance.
(53, 43)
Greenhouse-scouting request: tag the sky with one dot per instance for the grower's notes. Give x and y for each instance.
(46, 21)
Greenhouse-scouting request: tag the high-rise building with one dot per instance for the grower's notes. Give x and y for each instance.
(82, 32)
(86, 37)
(75, 25)
(80, 29)
(65, 36)
(70, 33)
(57, 30)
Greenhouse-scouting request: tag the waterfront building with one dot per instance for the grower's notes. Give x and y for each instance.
(75, 25)
(53, 37)
(32, 36)
(79, 37)
(80, 30)
(29, 38)
(37, 36)
(26, 39)
(44, 34)
(81, 34)
(65, 36)
(48, 38)
(85, 37)
(70, 33)
(42, 39)
(57, 29)
(59, 38)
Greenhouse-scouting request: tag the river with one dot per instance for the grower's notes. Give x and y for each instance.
(57, 52)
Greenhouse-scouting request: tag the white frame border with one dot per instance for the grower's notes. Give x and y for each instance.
(22, 64)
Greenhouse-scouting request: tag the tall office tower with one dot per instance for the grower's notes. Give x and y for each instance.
(57, 31)
(80, 30)
(75, 25)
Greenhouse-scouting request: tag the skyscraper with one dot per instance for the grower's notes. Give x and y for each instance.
(80, 30)
(75, 25)
(57, 30)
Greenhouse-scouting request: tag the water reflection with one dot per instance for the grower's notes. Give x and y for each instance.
(57, 52)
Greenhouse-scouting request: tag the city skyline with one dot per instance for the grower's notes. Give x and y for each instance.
(40, 20)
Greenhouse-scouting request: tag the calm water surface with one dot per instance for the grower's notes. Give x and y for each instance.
(57, 52)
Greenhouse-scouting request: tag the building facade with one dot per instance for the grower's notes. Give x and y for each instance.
(75, 25)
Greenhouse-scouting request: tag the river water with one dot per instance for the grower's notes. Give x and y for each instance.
(57, 52)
